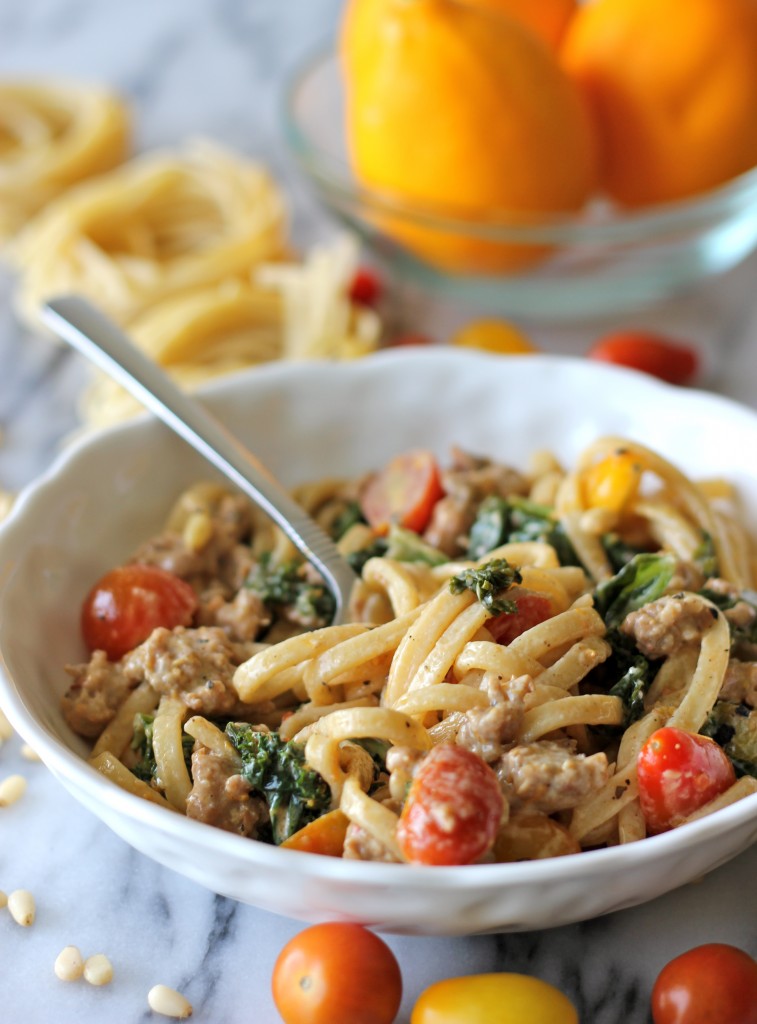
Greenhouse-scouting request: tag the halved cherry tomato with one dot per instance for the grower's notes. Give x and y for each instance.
(711, 984)
(365, 289)
(403, 492)
(337, 974)
(453, 809)
(493, 999)
(670, 360)
(532, 609)
(129, 602)
(679, 772)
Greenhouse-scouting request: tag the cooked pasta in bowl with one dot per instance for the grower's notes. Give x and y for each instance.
(554, 606)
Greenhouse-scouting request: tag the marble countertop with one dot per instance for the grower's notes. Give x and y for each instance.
(215, 68)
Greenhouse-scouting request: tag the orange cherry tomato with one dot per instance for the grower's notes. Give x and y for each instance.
(532, 609)
(663, 357)
(711, 984)
(337, 974)
(404, 492)
(678, 773)
(453, 808)
(129, 602)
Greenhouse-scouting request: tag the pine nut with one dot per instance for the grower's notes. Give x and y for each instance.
(98, 970)
(69, 964)
(6, 729)
(12, 789)
(168, 1002)
(22, 908)
(29, 753)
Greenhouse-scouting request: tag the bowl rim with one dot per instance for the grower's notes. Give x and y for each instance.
(621, 226)
(76, 773)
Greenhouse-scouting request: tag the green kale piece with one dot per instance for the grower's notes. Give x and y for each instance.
(734, 728)
(633, 674)
(705, 558)
(275, 768)
(141, 741)
(618, 551)
(285, 585)
(376, 549)
(406, 546)
(640, 581)
(500, 520)
(347, 518)
(488, 583)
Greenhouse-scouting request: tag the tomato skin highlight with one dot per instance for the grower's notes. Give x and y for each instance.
(337, 974)
(403, 492)
(453, 809)
(711, 984)
(532, 609)
(493, 999)
(662, 357)
(129, 602)
(678, 773)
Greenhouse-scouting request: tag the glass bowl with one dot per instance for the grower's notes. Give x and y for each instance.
(599, 262)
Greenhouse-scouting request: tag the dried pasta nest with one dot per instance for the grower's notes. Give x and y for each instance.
(53, 135)
(160, 225)
(285, 311)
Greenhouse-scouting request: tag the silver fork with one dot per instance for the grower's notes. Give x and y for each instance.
(87, 329)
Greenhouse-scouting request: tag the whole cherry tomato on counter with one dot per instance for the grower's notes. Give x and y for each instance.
(366, 288)
(679, 772)
(409, 340)
(453, 809)
(670, 360)
(129, 602)
(337, 974)
(710, 984)
(403, 492)
(493, 999)
(498, 336)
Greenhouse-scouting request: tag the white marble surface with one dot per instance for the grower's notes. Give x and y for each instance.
(215, 68)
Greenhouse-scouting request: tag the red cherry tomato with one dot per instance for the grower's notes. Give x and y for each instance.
(403, 340)
(365, 289)
(679, 772)
(532, 609)
(129, 602)
(710, 984)
(337, 974)
(670, 360)
(404, 492)
(453, 809)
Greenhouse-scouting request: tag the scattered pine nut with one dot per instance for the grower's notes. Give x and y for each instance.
(98, 970)
(168, 1002)
(3, 899)
(6, 729)
(69, 964)
(22, 908)
(29, 753)
(12, 789)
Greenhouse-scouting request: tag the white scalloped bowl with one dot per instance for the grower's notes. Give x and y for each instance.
(110, 492)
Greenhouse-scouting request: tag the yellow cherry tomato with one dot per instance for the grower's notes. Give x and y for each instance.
(494, 336)
(613, 482)
(493, 999)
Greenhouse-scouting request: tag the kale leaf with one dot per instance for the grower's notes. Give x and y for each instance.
(146, 769)
(640, 581)
(734, 728)
(275, 768)
(285, 585)
(501, 521)
(347, 518)
(488, 583)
